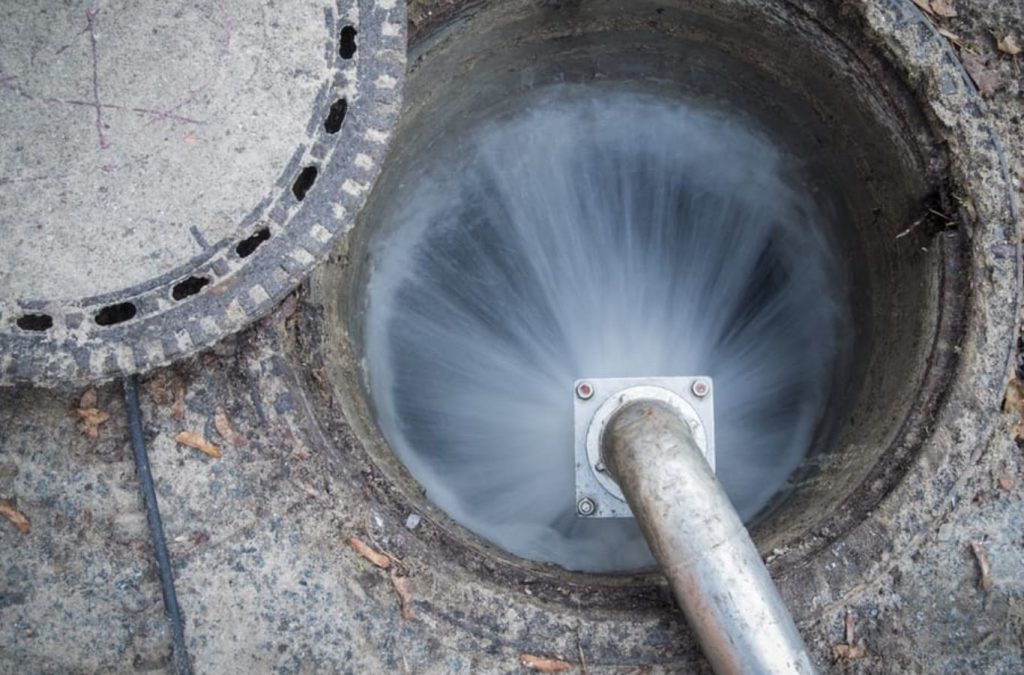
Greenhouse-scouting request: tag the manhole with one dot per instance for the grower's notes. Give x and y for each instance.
(887, 134)
(168, 173)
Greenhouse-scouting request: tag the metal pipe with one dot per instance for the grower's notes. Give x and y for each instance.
(703, 548)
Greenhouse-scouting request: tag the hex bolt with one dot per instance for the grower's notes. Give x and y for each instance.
(586, 507)
(584, 391)
(700, 388)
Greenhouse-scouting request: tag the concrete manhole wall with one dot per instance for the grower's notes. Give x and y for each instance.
(940, 309)
(171, 174)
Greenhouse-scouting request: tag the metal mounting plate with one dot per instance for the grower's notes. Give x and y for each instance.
(596, 400)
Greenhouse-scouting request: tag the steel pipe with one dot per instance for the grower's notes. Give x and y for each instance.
(700, 543)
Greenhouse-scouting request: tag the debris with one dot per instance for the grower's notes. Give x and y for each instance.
(1009, 45)
(851, 650)
(940, 8)
(158, 389)
(16, 517)
(543, 665)
(198, 442)
(579, 652)
(223, 425)
(924, 5)
(90, 415)
(413, 521)
(986, 581)
(1014, 402)
(401, 584)
(943, 8)
(376, 557)
(1005, 480)
(288, 306)
(178, 407)
(952, 37)
(90, 399)
(986, 79)
(912, 227)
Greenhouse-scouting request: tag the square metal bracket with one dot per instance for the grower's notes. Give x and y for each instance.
(595, 400)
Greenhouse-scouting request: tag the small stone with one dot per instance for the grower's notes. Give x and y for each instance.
(413, 521)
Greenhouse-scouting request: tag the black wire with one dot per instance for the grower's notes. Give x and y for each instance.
(156, 528)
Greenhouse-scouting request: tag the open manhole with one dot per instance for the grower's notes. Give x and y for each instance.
(162, 169)
(832, 159)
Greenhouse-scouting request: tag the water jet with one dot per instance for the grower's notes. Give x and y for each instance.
(840, 159)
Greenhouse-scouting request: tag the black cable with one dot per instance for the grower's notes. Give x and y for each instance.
(156, 528)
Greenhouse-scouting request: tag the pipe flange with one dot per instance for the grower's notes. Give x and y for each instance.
(690, 397)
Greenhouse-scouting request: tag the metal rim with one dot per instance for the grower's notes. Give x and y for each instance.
(49, 342)
(909, 50)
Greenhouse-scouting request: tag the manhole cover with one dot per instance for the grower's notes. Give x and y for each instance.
(167, 173)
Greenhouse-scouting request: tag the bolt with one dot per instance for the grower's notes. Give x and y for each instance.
(600, 467)
(700, 388)
(584, 390)
(586, 507)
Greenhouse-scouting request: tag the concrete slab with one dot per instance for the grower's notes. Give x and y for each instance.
(79, 592)
(149, 150)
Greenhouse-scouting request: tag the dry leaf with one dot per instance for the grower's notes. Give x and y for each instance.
(89, 399)
(849, 652)
(223, 425)
(91, 419)
(986, 581)
(943, 8)
(543, 665)
(1009, 45)
(925, 5)
(1005, 481)
(401, 584)
(158, 389)
(376, 557)
(178, 407)
(16, 517)
(986, 79)
(952, 37)
(1014, 402)
(198, 442)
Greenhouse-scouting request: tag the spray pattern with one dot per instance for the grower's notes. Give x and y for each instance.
(581, 236)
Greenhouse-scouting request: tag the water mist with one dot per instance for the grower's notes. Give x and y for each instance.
(595, 232)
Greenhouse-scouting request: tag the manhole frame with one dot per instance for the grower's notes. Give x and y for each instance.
(287, 236)
(949, 433)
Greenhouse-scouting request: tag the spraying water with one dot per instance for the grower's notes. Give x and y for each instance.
(577, 236)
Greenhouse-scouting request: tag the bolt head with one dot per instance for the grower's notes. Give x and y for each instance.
(584, 391)
(700, 388)
(586, 507)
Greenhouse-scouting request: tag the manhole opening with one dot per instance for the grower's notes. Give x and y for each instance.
(248, 246)
(189, 287)
(35, 322)
(304, 182)
(347, 42)
(499, 191)
(115, 314)
(336, 116)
